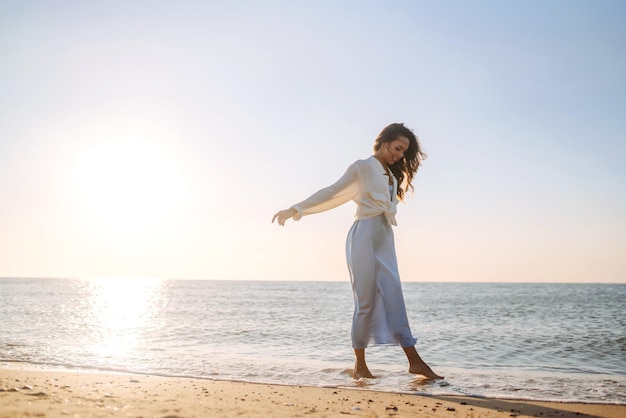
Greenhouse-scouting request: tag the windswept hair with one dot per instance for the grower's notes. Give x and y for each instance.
(405, 168)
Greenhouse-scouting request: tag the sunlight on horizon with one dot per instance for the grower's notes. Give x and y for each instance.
(123, 308)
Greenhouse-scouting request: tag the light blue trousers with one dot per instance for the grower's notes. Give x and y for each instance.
(379, 310)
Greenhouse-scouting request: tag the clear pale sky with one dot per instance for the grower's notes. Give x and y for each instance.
(158, 138)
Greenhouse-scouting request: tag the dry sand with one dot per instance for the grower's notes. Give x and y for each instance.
(67, 393)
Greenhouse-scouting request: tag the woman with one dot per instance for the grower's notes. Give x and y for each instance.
(375, 184)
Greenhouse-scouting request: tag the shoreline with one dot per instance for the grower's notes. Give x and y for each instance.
(37, 390)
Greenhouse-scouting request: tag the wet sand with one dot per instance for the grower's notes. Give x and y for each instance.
(26, 392)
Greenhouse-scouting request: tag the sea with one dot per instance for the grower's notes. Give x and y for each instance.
(554, 342)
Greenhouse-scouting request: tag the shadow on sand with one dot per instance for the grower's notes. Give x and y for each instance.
(531, 408)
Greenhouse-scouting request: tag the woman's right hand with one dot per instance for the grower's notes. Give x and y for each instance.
(283, 215)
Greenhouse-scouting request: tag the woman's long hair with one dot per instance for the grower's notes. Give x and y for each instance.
(405, 168)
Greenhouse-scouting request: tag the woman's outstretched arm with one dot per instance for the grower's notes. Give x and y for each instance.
(342, 191)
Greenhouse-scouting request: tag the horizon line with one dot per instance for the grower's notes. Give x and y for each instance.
(300, 281)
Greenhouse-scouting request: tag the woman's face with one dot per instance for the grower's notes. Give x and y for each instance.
(394, 150)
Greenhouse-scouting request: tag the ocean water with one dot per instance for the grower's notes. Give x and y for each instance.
(564, 342)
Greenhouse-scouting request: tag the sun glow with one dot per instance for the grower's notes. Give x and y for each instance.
(128, 184)
(129, 194)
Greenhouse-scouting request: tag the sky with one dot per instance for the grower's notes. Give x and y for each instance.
(158, 138)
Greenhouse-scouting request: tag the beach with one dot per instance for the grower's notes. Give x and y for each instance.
(32, 391)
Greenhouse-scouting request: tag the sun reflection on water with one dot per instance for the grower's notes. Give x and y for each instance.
(123, 310)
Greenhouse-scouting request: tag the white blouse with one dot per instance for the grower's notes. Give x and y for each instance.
(366, 183)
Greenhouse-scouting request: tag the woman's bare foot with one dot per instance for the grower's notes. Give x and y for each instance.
(424, 370)
(360, 366)
(361, 371)
(417, 365)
